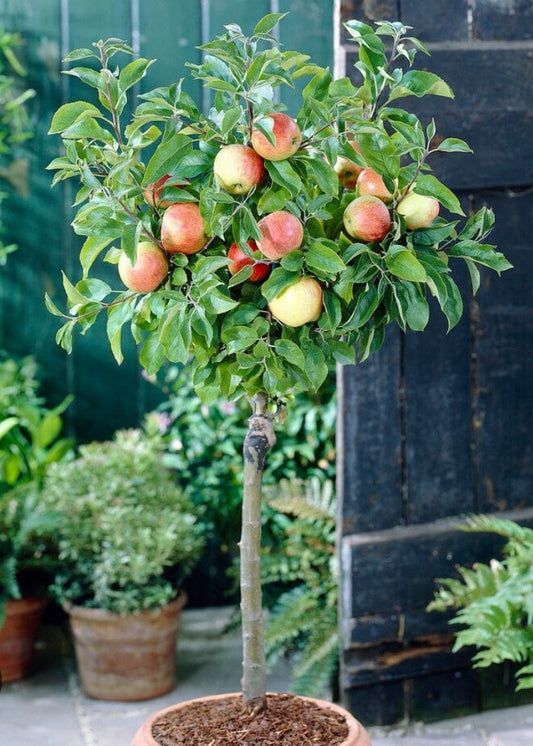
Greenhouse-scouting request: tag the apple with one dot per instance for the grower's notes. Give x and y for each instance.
(240, 259)
(418, 210)
(238, 168)
(367, 219)
(287, 134)
(298, 303)
(281, 232)
(183, 228)
(152, 193)
(348, 171)
(149, 270)
(370, 182)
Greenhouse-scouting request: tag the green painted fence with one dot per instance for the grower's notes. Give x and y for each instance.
(106, 396)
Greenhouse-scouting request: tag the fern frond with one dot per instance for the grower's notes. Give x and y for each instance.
(525, 681)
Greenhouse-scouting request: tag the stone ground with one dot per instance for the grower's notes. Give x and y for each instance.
(50, 709)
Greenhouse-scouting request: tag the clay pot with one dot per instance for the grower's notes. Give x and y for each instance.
(357, 735)
(126, 657)
(17, 636)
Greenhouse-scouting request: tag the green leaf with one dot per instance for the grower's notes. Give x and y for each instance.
(430, 186)
(268, 22)
(278, 281)
(117, 316)
(87, 75)
(316, 368)
(482, 254)
(70, 113)
(415, 306)
(454, 145)
(323, 174)
(420, 83)
(6, 425)
(218, 302)
(152, 354)
(167, 158)
(405, 265)
(379, 151)
(321, 258)
(239, 338)
(133, 73)
(230, 119)
(365, 305)
(282, 173)
(291, 352)
(91, 249)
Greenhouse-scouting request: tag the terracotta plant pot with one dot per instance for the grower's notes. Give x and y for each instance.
(126, 658)
(17, 637)
(197, 711)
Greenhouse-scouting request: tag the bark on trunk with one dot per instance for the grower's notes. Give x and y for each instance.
(258, 441)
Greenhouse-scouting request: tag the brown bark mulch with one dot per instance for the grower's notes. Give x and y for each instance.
(287, 720)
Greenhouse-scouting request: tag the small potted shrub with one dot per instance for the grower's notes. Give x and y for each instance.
(127, 537)
(247, 251)
(29, 442)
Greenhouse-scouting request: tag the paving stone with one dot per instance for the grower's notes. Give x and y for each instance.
(50, 709)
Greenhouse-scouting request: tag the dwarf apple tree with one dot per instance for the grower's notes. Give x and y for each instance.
(280, 186)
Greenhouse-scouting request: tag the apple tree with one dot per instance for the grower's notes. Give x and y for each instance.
(246, 248)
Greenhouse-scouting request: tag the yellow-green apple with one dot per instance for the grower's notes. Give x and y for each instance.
(298, 303)
(183, 228)
(367, 219)
(348, 171)
(370, 182)
(238, 168)
(240, 259)
(281, 232)
(287, 135)
(149, 270)
(418, 210)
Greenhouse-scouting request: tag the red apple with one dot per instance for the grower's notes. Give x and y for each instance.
(240, 259)
(149, 270)
(348, 171)
(281, 232)
(238, 168)
(418, 210)
(298, 303)
(152, 193)
(183, 229)
(370, 182)
(367, 219)
(287, 135)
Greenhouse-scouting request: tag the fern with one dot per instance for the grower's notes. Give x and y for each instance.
(494, 601)
(300, 573)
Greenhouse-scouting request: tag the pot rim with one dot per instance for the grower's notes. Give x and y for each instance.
(143, 736)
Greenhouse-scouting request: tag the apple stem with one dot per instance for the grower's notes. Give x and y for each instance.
(259, 439)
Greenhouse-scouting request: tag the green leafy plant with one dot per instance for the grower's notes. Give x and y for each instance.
(166, 192)
(29, 443)
(127, 535)
(300, 580)
(494, 602)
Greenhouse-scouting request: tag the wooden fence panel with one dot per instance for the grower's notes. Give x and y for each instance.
(442, 426)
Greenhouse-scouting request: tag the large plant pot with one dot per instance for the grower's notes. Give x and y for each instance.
(293, 717)
(126, 658)
(17, 637)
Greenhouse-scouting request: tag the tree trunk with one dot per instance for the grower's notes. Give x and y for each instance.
(258, 441)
